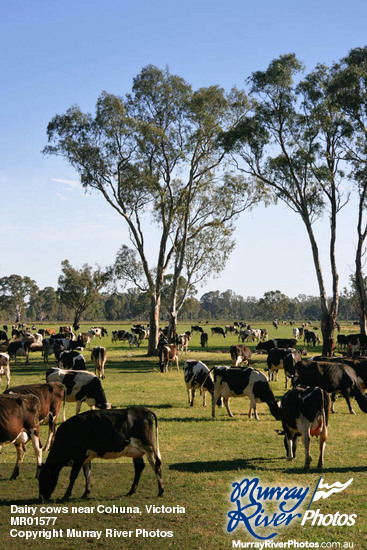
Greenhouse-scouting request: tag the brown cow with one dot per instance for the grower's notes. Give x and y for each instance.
(19, 422)
(99, 357)
(50, 397)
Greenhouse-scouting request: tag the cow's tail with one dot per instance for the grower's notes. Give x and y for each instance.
(205, 379)
(360, 397)
(158, 453)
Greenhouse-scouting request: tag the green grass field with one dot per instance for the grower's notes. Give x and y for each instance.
(201, 456)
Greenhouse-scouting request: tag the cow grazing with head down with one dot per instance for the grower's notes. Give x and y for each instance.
(102, 434)
(19, 423)
(304, 411)
(240, 353)
(197, 376)
(285, 358)
(50, 396)
(218, 330)
(236, 382)
(80, 386)
(99, 358)
(5, 368)
(277, 343)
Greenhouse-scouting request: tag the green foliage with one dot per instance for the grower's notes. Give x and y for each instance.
(15, 293)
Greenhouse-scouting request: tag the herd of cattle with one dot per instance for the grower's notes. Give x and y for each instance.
(133, 432)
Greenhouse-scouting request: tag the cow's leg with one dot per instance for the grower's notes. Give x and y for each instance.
(226, 404)
(37, 447)
(323, 438)
(189, 394)
(86, 472)
(333, 399)
(307, 443)
(78, 407)
(156, 464)
(51, 430)
(346, 395)
(215, 397)
(77, 465)
(20, 455)
(7, 374)
(139, 467)
(253, 407)
(204, 398)
(192, 397)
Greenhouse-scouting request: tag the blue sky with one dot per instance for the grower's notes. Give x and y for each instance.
(56, 54)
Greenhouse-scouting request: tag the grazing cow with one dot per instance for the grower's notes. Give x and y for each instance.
(140, 332)
(197, 328)
(120, 335)
(50, 397)
(19, 348)
(230, 328)
(57, 345)
(5, 327)
(99, 358)
(244, 334)
(133, 340)
(356, 341)
(80, 386)
(342, 342)
(85, 338)
(5, 367)
(236, 382)
(275, 324)
(218, 330)
(99, 331)
(3, 336)
(102, 434)
(305, 411)
(71, 360)
(295, 333)
(310, 337)
(204, 339)
(240, 353)
(332, 377)
(256, 334)
(19, 422)
(196, 376)
(264, 334)
(277, 343)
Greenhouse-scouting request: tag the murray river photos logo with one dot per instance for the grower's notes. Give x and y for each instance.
(254, 507)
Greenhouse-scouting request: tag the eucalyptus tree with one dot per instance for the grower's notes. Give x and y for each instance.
(291, 141)
(78, 289)
(153, 156)
(349, 90)
(15, 293)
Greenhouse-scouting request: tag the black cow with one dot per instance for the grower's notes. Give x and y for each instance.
(310, 337)
(240, 353)
(236, 382)
(204, 339)
(305, 411)
(19, 348)
(197, 328)
(80, 386)
(19, 423)
(332, 377)
(277, 343)
(218, 330)
(102, 434)
(197, 375)
(342, 342)
(3, 336)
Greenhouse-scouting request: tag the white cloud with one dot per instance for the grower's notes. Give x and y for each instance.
(69, 183)
(61, 197)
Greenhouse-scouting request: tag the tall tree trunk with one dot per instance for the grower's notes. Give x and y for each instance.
(361, 291)
(155, 305)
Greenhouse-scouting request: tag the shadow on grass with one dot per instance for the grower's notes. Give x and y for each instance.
(335, 470)
(199, 467)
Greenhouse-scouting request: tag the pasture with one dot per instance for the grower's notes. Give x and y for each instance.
(201, 457)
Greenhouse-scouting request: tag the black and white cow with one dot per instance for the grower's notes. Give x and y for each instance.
(197, 376)
(120, 335)
(285, 358)
(240, 353)
(80, 386)
(102, 434)
(5, 368)
(236, 382)
(304, 411)
(71, 360)
(19, 348)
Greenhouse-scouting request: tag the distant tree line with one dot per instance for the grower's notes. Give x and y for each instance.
(84, 294)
